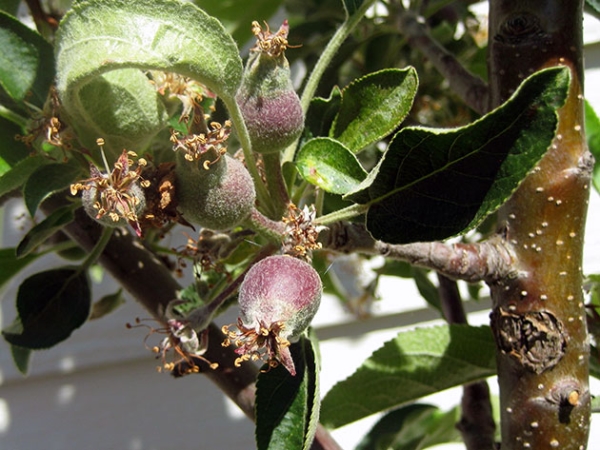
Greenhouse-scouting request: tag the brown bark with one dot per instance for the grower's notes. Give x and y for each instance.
(538, 317)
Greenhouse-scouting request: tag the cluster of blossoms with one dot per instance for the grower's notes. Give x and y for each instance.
(115, 198)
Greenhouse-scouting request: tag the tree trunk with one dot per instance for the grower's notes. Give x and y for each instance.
(538, 317)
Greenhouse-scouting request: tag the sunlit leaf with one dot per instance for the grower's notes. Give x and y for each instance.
(26, 62)
(286, 405)
(20, 173)
(373, 106)
(102, 36)
(592, 134)
(326, 163)
(414, 364)
(434, 184)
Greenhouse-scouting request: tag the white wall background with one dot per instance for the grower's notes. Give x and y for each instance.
(99, 390)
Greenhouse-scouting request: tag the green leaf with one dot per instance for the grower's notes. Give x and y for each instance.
(414, 364)
(412, 427)
(592, 135)
(287, 406)
(123, 108)
(20, 173)
(11, 150)
(432, 184)
(107, 304)
(46, 228)
(98, 37)
(373, 106)
(26, 62)
(237, 17)
(10, 6)
(51, 305)
(322, 113)
(21, 357)
(46, 180)
(326, 163)
(10, 265)
(427, 289)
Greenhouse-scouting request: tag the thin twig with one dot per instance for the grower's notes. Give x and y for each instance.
(472, 89)
(487, 261)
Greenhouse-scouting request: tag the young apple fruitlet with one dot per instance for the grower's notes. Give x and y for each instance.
(270, 106)
(278, 299)
(218, 195)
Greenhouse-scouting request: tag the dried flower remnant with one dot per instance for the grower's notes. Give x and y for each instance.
(300, 233)
(273, 44)
(278, 299)
(187, 344)
(195, 146)
(47, 125)
(115, 198)
(190, 92)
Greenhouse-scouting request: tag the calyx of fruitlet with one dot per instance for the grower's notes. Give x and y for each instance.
(278, 299)
(270, 106)
(114, 199)
(213, 189)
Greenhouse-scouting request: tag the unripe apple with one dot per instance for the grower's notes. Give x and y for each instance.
(219, 195)
(278, 299)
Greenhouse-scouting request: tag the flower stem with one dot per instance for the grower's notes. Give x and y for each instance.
(276, 184)
(262, 193)
(98, 248)
(342, 214)
(324, 60)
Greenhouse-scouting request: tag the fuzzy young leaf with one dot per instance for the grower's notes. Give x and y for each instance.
(105, 35)
(286, 405)
(373, 106)
(26, 62)
(412, 427)
(51, 305)
(45, 229)
(432, 184)
(47, 180)
(592, 135)
(414, 364)
(326, 163)
(10, 265)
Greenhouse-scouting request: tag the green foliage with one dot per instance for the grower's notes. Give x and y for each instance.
(145, 35)
(328, 164)
(414, 364)
(26, 62)
(46, 180)
(45, 229)
(412, 427)
(11, 265)
(592, 135)
(51, 305)
(287, 407)
(433, 184)
(373, 106)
